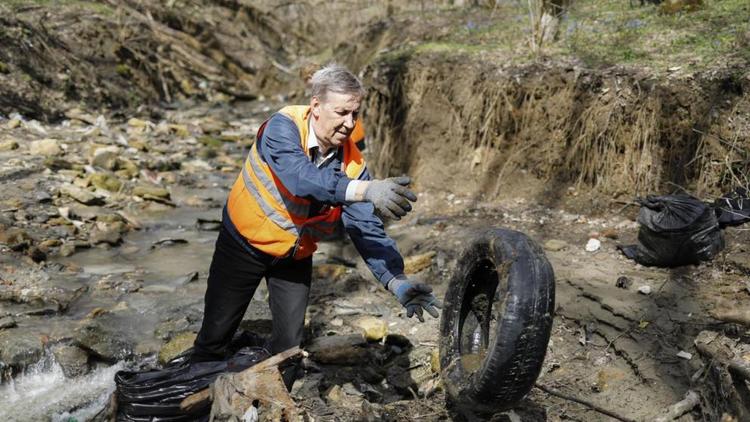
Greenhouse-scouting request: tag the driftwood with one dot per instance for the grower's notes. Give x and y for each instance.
(723, 351)
(233, 394)
(678, 409)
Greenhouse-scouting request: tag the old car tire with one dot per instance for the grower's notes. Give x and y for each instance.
(496, 322)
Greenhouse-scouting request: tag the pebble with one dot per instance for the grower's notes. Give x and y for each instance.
(555, 245)
(593, 245)
(646, 290)
(81, 195)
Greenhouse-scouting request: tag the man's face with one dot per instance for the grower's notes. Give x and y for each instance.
(333, 119)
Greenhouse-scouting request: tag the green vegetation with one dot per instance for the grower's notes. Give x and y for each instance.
(605, 32)
(94, 6)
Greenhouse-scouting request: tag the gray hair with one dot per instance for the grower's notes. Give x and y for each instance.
(335, 78)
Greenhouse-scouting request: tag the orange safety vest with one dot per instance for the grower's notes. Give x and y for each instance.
(270, 217)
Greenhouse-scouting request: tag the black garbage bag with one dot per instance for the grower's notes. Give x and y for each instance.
(733, 208)
(155, 395)
(675, 230)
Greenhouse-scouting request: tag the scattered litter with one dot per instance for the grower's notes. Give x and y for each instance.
(684, 355)
(675, 230)
(646, 290)
(593, 245)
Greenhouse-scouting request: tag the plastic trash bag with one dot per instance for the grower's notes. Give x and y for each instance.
(733, 208)
(675, 230)
(155, 395)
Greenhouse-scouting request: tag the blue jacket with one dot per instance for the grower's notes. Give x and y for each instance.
(281, 149)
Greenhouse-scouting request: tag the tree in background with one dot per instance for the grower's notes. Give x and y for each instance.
(544, 16)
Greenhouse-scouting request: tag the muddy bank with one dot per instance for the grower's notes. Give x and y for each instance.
(449, 119)
(122, 55)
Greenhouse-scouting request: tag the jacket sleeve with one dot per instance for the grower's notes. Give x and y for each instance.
(281, 149)
(368, 235)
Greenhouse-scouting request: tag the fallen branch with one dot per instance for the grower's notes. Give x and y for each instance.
(683, 406)
(716, 347)
(588, 404)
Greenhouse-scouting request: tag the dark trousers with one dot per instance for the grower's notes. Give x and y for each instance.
(234, 275)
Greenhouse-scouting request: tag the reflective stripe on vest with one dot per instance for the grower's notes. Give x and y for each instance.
(259, 196)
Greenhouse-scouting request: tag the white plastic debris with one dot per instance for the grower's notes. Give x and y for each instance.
(684, 355)
(646, 290)
(593, 245)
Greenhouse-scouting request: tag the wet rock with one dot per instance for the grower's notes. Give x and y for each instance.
(81, 195)
(67, 249)
(168, 241)
(110, 218)
(113, 282)
(73, 360)
(104, 340)
(7, 322)
(185, 279)
(42, 197)
(177, 345)
(8, 145)
(19, 348)
(57, 163)
(159, 288)
(555, 245)
(341, 350)
(40, 293)
(150, 192)
(50, 243)
(36, 254)
(162, 164)
(168, 329)
(45, 147)
(416, 263)
(106, 233)
(106, 181)
(16, 238)
(105, 157)
(208, 225)
(374, 329)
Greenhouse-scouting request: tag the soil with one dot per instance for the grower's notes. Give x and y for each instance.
(553, 149)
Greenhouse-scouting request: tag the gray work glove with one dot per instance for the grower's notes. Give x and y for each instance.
(390, 196)
(415, 297)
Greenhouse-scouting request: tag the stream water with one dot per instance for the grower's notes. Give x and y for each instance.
(170, 256)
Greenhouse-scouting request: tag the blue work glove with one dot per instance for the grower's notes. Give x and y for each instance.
(415, 297)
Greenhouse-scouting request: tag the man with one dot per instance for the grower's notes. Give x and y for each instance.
(303, 175)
